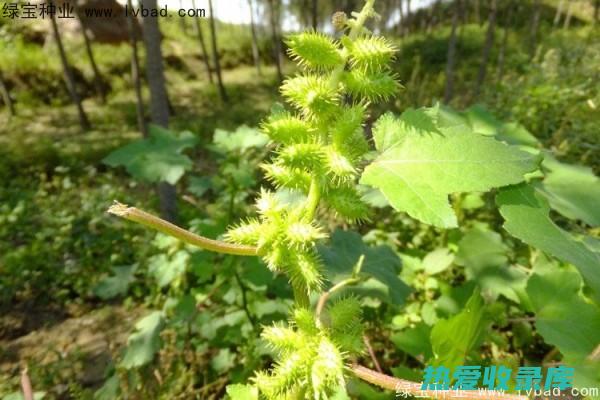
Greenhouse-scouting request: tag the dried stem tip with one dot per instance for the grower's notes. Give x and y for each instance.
(151, 221)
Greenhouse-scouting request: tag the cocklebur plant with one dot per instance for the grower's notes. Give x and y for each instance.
(420, 158)
(321, 146)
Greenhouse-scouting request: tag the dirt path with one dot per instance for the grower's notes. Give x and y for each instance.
(77, 349)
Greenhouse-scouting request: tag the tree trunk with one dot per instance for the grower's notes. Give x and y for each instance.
(315, 14)
(451, 55)
(274, 15)
(135, 73)
(502, 52)
(159, 105)
(68, 75)
(6, 97)
(90, 54)
(408, 26)
(534, 28)
(255, 51)
(402, 20)
(569, 14)
(215, 51)
(558, 14)
(477, 12)
(205, 56)
(487, 48)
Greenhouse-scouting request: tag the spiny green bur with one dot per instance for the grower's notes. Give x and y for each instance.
(321, 145)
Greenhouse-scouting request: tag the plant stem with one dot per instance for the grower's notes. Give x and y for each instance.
(325, 296)
(366, 11)
(414, 388)
(151, 221)
(314, 197)
(300, 295)
(314, 192)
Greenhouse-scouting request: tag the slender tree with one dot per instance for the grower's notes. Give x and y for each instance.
(315, 13)
(135, 72)
(451, 55)
(534, 27)
(159, 105)
(408, 17)
(255, 51)
(487, 48)
(6, 97)
(558, 14)
(205, 56)
(402, 20)
(508, 13)
(277, 51)
(569, 14)
(477, 12)
(90, 55)
(215, 51)
(84, 122)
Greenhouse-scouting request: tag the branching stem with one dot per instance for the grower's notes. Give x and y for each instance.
(151, 221)
(414, 388)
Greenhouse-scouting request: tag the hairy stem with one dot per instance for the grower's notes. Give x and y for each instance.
(402, 387)
(314, 193)
(300, 295)
(151, 221)
(314, 197)
(356, 29)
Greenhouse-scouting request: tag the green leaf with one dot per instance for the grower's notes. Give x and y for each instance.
(117, 284)
(526, 217)
(223, 361)
(484, 256)
(415, 341)
(143, 344)
(572, 190)
(380, 262)
(19, 396)
(438, 261)
(424, 165)
(109, 390)
(166, 268)
(517, 134)
(566, 320)
(452, 339)
(242, 392)
(242, 139)
(482, 121)
(157, 158)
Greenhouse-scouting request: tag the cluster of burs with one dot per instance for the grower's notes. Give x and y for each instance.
(320, 148)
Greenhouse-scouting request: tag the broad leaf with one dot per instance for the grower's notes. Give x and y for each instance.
(415, 341)
(157, 158)
(452, 339)
(484, 122)
(437, 261)
(526, 217)
(117, 284)
(143, 344)
(573, 191)
(166, 268)
(379, 262)
(484, 256)
(243, 138)
(242, 392)
(426, 161)
(566, 320)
